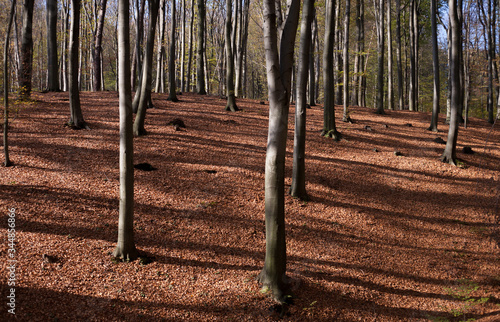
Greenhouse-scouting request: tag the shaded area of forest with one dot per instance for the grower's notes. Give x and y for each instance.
(384, 237)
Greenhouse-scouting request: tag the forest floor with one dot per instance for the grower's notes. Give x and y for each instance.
(382, 238)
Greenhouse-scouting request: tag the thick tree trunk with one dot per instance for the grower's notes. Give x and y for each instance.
(76, 117)
(200, 59)
(435, 60)
(380, 48)
(26, 69)
(273, 275)
(346, 117)
(172, 95)
(449, 154)
(231, 100)
(7, 162)
(298, 188)
(146, 78)
(98, 47)
(52, 66)
(125, 248)
(329, 128)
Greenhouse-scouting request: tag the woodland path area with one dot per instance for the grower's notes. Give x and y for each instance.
(383, 238)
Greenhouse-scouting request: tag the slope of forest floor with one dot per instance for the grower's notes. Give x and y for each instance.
(382, 238)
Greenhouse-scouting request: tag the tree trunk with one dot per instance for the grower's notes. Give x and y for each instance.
(312, 69)
(346, 117)
(298, 188)
(329, 128)
(435, 60)
(76, 120)
(231, 100)
(64, 51)
(398, 56)
(160, 56)
(200, 62)
(183, 46)
(98, 47)
(449, 154)
(339, 66)
(379, 13)
(242, 49)
(26, 69)
(357, 60)
(7, 162)
(125, 248)
(362, 58)
(146, 78)
(190, 54)
(52, 67)
(172, 96)
(412, 104)
(273, 275)
(137, 63)
(390, 87)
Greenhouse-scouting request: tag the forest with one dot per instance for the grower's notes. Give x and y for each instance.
(198, 160)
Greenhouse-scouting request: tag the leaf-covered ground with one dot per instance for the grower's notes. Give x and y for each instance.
(383, 238)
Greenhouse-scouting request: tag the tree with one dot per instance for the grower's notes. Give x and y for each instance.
(52, 66)
(200, 67)
(143, 94)
(76, 120)
(346, 117)
(329, 128)
(312, 54)
(298, 188)
(160, 57)
(398, 56)
(26, 67)
(412, 104)
(390, 87)
(231, 99)
(449, 154)
(279, 69)
(379, 17)
(357, 58)
(183, 46)
(190, 52)
(172, 95)
(125, 247)
(7, 161)
(435, 65)
(97, 52)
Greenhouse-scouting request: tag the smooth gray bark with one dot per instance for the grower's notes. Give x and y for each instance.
(52, 66)
(357, 61)
(146, 78)
(398, 56)
(200, 51)
(449, 154)
(298, 188)
(435, 64)
(231, 99)
(97, 62)
(190, 53)
(312, 67)
(390, 86)
(125, 248)
(7, 162)
(329, 127)
(346, 117)
(379, 14)
(172, 95)
(76, 120)
(273, 275)
(183, 47)
(26, 67)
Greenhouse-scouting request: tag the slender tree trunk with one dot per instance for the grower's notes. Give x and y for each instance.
(52, 67)
(137, 62)
(172, 96)
(7, 162)
(435, 60)
(231, 100)
(200, 62)
(398, 56)
(449, 154)
(381, 48)
(362, 58)
(190, 54)
(273, 275)
(339, 66)
(346, 117)
(312, 53)
(298, 188)
(390, 87)
(183, 47)
(98, 47)
(125, 248)
(412, 104)
(64, 51)
(76, 120)
(242, 49)
(357, 61)
(146, 78)
(329, 128)
(26, 69)
(160, 56)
